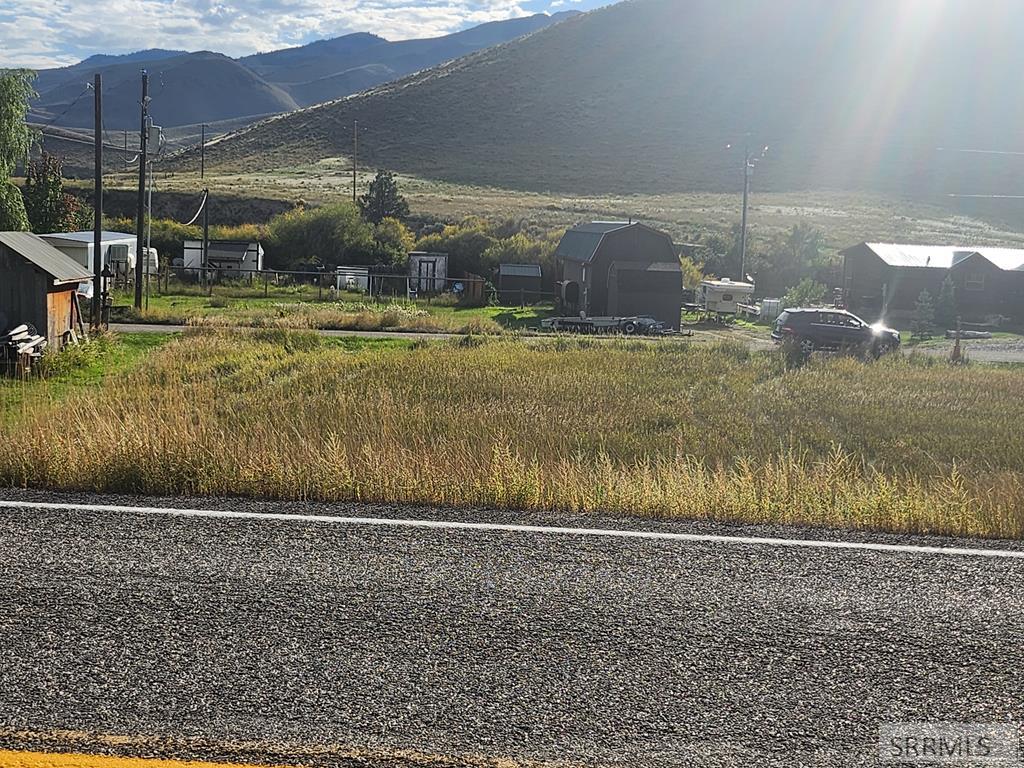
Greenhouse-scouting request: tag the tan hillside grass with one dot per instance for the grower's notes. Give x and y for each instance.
(343, 316)
(664, 430)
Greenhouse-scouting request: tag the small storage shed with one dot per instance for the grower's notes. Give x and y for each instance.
(118, 249)
(37, 286)
(352, 278)
(228, 258)
(519, 283)
(429, 272)
(620, 269)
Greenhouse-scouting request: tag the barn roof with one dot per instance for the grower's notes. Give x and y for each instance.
(519, 270)
(945, 256)
(580, 242)
(63, 269)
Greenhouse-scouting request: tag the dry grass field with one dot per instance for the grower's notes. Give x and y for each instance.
(667, 430)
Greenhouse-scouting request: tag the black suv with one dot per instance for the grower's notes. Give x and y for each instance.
(833, 329)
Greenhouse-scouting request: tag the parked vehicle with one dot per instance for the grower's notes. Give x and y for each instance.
(833, 329)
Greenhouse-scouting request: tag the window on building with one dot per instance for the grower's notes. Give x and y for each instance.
(975, 281)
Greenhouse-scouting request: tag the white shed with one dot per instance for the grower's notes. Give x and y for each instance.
(118, 249)
(724, 295)
(352, 278)
(428, 271)
(226, 257)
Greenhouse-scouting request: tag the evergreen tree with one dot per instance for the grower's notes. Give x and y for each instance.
(923, 321)
(945, 307)
(383, 199)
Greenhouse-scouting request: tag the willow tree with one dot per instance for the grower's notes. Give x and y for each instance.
(15, 142)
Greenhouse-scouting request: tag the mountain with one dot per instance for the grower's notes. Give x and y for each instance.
(645, 95)
(329, 69)
(191, 88)
(201, 87)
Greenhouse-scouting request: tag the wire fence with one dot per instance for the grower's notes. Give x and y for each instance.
(366, 282)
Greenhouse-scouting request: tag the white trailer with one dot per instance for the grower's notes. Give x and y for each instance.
(724, 296)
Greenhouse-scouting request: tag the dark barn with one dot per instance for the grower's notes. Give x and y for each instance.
(885, 279)
(37, 286)
(620, 269)
(519, 283)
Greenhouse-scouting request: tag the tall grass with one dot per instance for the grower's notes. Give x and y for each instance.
(666, 430)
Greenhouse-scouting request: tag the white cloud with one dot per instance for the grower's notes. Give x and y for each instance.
(45, 33)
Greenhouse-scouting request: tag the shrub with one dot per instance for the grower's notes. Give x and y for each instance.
(806, 293)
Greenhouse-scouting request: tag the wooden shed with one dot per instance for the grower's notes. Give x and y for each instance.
(37, 286)
(519, 283)
(620, 269)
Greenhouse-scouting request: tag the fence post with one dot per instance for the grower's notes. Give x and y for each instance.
(266, 284)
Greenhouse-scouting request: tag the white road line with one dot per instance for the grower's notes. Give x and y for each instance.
(513, 528)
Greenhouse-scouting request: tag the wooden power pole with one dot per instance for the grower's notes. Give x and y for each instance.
(140, 223)
(98, 256)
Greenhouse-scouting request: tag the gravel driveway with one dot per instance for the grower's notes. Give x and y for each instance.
(484, 644)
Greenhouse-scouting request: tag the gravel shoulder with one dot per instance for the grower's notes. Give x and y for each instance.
(467, 645)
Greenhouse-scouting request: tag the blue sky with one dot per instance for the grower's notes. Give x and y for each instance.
(48, 33)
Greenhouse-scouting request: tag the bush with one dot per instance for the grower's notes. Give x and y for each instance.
(806, 293)
(331, 235)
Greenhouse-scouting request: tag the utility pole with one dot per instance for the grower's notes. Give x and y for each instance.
(202, 153)
(126, 151)
(355, 157)
(139, 227)
(750, 160)
(205, 275)
(743, 224)
(97, 222)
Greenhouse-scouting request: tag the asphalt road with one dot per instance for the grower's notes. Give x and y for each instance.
(314, 638)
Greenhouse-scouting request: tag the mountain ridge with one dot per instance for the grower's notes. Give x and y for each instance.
(205, 86)
(645, 95)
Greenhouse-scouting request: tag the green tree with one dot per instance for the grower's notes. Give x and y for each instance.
(16, 140)
(49, 207)
(383, 199)
(12, 209)
(331, 235)
(464, 243)
(394, 241)
(923, 321)
(692, 274)
(806, 293)
(945, 308)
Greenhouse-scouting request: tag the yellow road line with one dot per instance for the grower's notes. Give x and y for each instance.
(12, 759)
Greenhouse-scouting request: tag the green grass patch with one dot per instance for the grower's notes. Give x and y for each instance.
(77, 368)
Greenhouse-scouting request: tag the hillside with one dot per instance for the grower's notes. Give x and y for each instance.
(644, 96)
(202, 87)
(191, 88)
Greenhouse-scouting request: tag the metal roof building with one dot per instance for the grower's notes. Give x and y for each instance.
(619, 268)
(38, 286)
(887, 278)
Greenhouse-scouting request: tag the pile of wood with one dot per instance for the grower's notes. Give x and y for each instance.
(21, 347)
